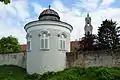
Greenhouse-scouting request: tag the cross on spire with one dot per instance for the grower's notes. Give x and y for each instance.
(49, 6)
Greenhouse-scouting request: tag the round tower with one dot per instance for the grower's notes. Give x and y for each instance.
(48, 40)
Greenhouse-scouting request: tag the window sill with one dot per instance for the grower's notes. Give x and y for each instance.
(61, 50)
(44, 49)
(28, 51)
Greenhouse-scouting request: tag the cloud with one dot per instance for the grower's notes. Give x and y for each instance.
(106, 3)
(87, 5)
(78, 21)
(37, 8)
(11, 19)
(102, 14)
(92, 5)
(15, 15)
(58, 5)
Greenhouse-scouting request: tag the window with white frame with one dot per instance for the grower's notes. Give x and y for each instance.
(44, 40)
(29, 46)
(62, 42)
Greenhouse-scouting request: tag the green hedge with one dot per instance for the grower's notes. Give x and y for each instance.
(92, 73)
(11, 72)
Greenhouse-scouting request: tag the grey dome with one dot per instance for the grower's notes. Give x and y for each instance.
(49, 14)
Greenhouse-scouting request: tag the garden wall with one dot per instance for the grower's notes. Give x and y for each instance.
(107, 58)
(13, 59)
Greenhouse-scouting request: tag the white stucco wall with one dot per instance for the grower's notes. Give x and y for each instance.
(17, 59)
(40, 61)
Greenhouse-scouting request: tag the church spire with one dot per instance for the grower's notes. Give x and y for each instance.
(87, 14)
(88, 27)
(88, 19)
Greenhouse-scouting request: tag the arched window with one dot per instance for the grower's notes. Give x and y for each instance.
(44, 40)
(62, 42)
(29, 46)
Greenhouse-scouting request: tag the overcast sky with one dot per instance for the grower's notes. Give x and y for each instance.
(15, 15)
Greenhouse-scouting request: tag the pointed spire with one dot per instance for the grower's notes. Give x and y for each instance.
(49, 6)
(87, 14)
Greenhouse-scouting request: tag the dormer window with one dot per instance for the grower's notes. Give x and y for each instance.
(44, 40)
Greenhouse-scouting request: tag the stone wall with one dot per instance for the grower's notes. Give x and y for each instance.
(107, 58)
(13, 59)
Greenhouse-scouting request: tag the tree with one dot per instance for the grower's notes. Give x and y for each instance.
(5, 1)
(118, 34)
(107, 35)
(87, 43)
(9, 45)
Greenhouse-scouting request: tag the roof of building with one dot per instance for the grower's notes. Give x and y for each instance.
(23, 47)
(49, 14)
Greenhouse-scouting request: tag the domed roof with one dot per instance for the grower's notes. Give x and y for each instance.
(49, 14)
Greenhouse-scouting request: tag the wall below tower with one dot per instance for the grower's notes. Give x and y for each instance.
(107, 58)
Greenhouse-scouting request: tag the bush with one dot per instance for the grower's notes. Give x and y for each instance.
(92, 73)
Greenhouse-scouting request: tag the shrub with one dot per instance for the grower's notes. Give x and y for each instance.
(91, 73)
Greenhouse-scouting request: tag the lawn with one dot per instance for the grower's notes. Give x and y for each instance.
(10, 72)
(92, 73)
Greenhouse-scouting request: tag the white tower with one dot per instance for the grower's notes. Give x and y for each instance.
(88, 27)
(48, 40)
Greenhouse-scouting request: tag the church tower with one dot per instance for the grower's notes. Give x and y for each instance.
(88, 27)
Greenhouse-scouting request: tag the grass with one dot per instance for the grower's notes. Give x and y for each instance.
(92, 73)
(10, 72)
